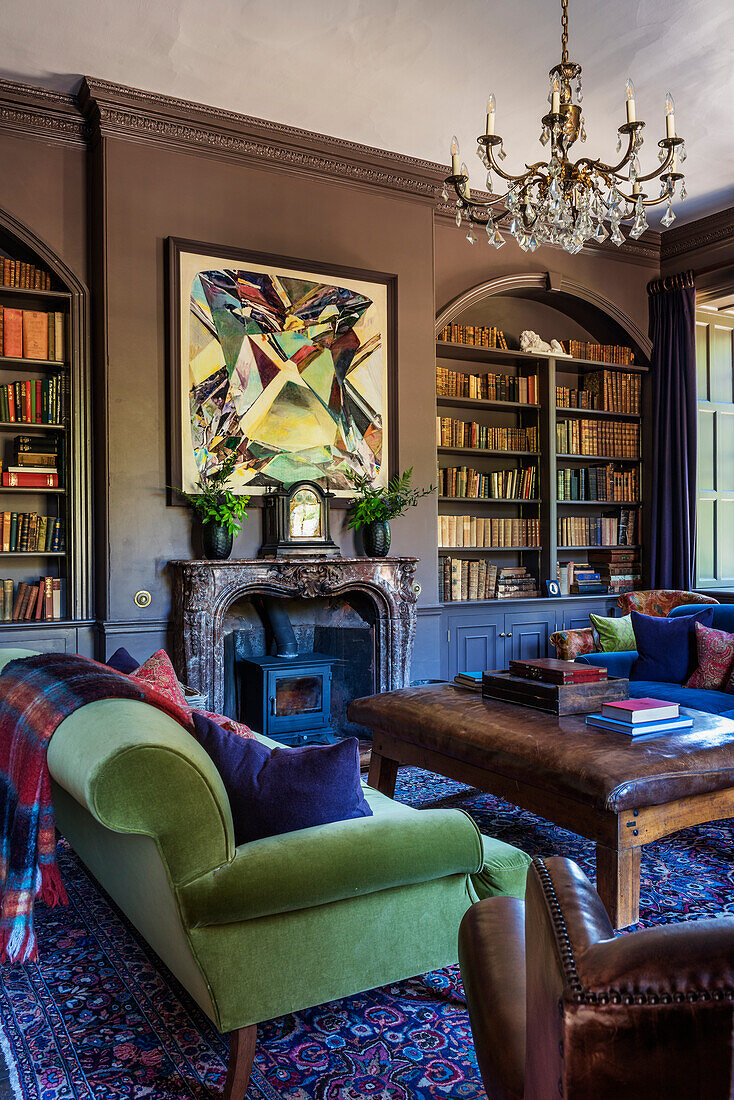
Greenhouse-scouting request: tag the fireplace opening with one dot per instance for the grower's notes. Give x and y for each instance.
(292, 666)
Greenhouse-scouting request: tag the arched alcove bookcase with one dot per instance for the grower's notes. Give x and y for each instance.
(566, 529)
(68, 371)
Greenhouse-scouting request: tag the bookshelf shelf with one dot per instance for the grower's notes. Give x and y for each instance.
(595, 414)
(21, 428)
(29, 292)
(28, 489)
(472, 354)
(488, 500)
(35, 366)
(603, 503)
(596, 546)
(32, 554)
(592, 460)
(482, 451)
(458, 550)
(445, 402)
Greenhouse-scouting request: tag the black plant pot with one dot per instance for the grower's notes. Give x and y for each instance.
(216, 541)
(376, 538)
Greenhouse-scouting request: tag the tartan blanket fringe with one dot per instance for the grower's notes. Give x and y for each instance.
(36, 694)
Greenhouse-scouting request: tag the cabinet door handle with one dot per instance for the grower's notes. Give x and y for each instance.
(502, 634)
(509, 635)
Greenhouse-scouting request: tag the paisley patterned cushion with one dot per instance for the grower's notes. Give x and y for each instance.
(715, 659)
(160, 674)
(573, 643)
(659, 601)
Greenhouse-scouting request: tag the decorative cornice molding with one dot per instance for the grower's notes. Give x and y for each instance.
(712, 230)
(114, 109)
(26, 108)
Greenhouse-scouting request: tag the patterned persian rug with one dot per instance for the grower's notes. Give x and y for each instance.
(99, 1016)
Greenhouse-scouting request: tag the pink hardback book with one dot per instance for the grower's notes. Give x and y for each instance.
(640, 710)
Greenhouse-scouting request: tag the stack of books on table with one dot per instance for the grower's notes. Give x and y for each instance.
(637, 717)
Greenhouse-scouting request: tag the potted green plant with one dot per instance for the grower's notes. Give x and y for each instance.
(219, 510)
(373, 509)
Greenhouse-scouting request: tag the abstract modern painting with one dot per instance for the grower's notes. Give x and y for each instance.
(288, 366)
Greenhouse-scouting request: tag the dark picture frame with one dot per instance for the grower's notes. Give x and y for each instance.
(178, 248)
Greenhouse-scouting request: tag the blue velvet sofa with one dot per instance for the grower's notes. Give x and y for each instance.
(620, 664)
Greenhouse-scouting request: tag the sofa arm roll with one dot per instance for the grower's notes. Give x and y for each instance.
(330, 863)
(569, 644)
(616, 664)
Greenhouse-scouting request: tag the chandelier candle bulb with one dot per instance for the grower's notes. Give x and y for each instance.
(491, 108)
(631, 116)
(454, 157)
(556, 98)
(669, 116)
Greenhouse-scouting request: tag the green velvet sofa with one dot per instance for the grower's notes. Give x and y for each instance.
(276, 925)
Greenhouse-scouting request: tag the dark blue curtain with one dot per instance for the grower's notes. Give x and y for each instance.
(674, 416)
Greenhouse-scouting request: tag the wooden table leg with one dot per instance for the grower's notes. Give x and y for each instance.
(383, 773)
(618, 883)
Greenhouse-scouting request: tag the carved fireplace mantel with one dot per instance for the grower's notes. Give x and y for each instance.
(203, 591)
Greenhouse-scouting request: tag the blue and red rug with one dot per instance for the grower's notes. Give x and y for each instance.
(99, 1017)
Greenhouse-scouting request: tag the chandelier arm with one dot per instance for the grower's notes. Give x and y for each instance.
(498, 170)
(611, 169)
(482, 204)
(659, 171)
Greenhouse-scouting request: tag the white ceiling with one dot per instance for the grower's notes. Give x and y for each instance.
(404, 75)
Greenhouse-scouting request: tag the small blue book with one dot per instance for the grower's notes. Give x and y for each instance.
(667, 725)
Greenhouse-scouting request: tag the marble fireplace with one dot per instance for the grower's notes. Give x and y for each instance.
(365, 606)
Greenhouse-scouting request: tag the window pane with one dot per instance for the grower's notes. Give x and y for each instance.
(705, 542)
(706, 451)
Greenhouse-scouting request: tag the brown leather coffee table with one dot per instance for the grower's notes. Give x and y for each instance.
(619, 793)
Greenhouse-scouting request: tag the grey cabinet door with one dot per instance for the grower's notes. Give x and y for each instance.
(576, 618)
(527, 633)
(475, 644)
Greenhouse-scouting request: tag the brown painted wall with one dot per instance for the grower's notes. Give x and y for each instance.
(154, 192)
(460, 265)
(44, 186)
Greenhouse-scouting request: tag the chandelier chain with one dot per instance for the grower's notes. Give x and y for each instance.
(564, 31)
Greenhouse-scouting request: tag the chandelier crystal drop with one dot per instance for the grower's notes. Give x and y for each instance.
(560, 201)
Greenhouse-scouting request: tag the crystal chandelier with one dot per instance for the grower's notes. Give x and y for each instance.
(561, 201)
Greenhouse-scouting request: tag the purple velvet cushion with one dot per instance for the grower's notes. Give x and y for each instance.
(666, 648)
(281, 790)
(121, 661)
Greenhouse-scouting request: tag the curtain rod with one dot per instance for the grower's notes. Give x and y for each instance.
(671, 282)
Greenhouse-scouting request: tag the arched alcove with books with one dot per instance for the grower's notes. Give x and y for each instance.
(540, 453)
(45, 446)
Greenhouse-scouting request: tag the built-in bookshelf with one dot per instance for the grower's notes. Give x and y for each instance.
(45, 539)
(551, 450)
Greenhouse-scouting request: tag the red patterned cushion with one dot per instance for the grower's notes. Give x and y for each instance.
(715, 660)
(160, 674)
(229, 724)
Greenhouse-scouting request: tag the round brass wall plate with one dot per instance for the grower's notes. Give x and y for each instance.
(142, 598)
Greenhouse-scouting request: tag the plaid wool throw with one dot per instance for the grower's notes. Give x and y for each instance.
(36, 694)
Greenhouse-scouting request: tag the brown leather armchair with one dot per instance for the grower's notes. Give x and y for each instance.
(559, 1007)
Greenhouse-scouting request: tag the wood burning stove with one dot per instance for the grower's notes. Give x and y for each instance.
(288, 698)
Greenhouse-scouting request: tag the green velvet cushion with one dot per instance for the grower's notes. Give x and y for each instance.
(615, 634)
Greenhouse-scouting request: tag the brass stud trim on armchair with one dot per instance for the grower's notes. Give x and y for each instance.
(608, 996)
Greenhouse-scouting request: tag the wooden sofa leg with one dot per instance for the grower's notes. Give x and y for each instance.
(241, 1056)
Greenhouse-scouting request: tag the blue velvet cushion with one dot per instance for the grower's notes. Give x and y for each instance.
(666, 647)
(281, 790)
(121, 661)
